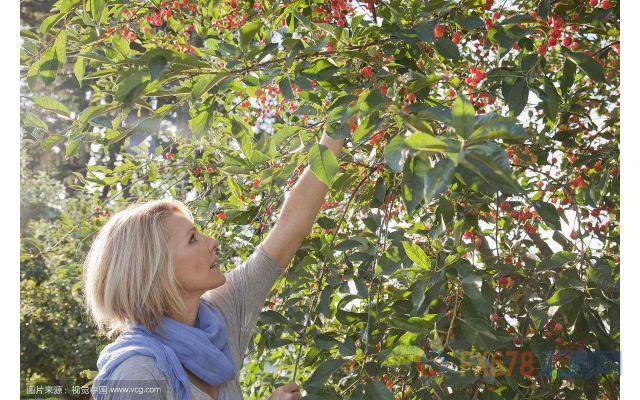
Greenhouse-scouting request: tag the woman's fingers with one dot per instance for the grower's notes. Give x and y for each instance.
(290, 387)
(290, 391)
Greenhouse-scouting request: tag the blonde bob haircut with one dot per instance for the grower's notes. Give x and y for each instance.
(129, 273)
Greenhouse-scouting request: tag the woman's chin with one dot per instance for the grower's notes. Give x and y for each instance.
(219, 279)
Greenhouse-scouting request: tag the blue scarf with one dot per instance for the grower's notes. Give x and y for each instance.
(202, 349)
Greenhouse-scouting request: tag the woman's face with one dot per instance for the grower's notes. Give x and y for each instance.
(194, 258)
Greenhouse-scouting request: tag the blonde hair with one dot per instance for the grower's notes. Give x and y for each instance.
(128, 273)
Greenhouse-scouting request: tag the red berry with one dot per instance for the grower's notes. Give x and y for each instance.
(606, 4)
(553, 41)
(340, 22)
(456, 37)
(558, 328)
(593, 3)
(488, 23)
(542, 49)
(494, 317)
(558, 23)
(221, 216)
(556, 33)
(505, 281)
(367, 72)
(566, 41)
(168, 154)
(438, 31)
(574, 235)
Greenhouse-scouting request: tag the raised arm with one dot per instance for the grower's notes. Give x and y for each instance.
(299, 211)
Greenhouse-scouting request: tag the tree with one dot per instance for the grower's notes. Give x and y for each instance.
(470, 247)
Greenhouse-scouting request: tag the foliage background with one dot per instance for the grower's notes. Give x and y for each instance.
(451, 225)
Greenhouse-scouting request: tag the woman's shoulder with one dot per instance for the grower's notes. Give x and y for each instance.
(138, 367)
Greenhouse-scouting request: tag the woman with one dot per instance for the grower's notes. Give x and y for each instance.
(184, 326)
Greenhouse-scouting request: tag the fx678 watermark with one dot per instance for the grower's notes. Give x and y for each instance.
(564, 364)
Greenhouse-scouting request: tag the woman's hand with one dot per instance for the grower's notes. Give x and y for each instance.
(290, 391)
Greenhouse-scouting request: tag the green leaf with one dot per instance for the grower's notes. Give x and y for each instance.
(568, 76)
(323, 163)
(563, 296)
(248, 31)
(121, 45)
(543, 8)
(404, 354)
(469, 23)
(33, 121)
(48, 66)
(157, 65)
(61, 47)
(94, 111)
(234, 187)
(152, 172)
(425, 142)
(393, 153)
(199, 124)
(490, 163)
(78, 69)
(551, 100)
(130, 87)
(72, 148)
(323, 372)
(548, 213)
(48, 103)
(50, 141)
(376, 390)
(492, 126)
(557, 260)
(285, 88)
(479, 333)
(49, 21)
(463, 116)
(205, 83)
(471, 285)
(516, 95)
(604, 275)
(447, 48)
(417, 255)
(97, 9)
(438, 178)
(506, 38)
(424, 31)
(32, 75)
(371, 100)
(273, 317)
(413, 181)
(586, 64)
